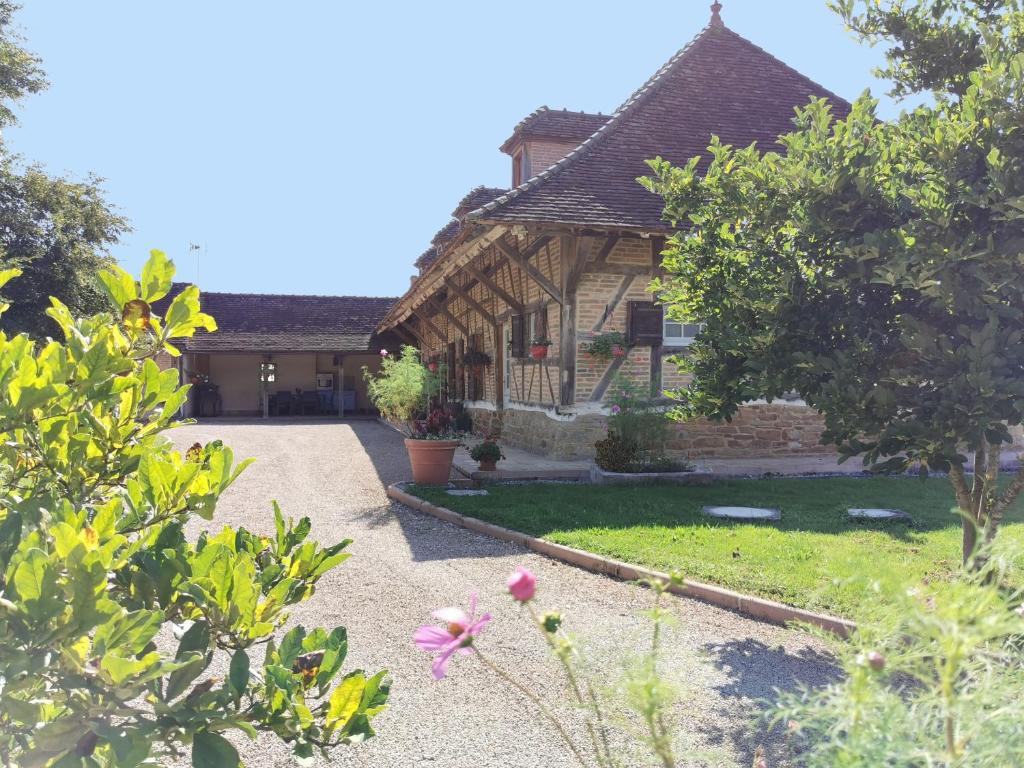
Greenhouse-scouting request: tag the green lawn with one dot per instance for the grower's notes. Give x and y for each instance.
(815, 557)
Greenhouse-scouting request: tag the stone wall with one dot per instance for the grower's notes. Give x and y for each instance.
(757, 431)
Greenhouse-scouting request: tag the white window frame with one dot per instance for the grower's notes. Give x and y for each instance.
(682, 340)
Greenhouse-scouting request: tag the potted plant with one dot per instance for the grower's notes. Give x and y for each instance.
(487, 454)
(402, 392)
(476, 359)
(606, 346)
(539, 347)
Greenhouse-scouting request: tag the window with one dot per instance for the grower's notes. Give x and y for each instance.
(677, 334)
(268, 372)
(520, 167)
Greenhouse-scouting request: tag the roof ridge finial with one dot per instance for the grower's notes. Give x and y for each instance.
(716, 19)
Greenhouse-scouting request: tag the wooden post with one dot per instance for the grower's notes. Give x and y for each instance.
(499, 365)
(567, 348)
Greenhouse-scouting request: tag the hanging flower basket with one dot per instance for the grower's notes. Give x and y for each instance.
(539, 348)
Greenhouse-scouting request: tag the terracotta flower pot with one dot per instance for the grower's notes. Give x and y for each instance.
(431, 460)
(489, 465)
(539, 351)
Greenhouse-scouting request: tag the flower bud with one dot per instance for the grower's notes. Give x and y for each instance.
(522, 584)
(876, 660)
(551, 621)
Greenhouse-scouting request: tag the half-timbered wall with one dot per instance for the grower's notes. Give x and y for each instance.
(531, 381)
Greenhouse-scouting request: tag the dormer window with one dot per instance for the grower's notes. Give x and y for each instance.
(520, 167)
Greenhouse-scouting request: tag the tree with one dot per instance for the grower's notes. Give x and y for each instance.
(55, 230)
(99, 583)
(874, 267)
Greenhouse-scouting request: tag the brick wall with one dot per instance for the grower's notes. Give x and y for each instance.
(543, 154)
(758, 431)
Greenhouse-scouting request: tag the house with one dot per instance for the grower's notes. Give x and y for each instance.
(266, 344)
(568, 252)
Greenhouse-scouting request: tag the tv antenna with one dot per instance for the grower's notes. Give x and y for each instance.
(197, 249)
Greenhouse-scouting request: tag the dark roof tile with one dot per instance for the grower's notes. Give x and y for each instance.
(719, 84)
(561, 124)
(261, 322)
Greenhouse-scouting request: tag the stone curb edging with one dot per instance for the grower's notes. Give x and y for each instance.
(755, 607)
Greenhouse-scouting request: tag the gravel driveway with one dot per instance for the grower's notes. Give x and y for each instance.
(406, 564)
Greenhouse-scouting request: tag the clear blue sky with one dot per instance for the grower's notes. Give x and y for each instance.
(316, 147)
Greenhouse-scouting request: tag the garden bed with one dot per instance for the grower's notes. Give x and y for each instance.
(816, 557)
(694, 476)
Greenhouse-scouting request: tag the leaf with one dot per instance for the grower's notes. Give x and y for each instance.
(238, 675)
(6, 275)
(211, 750)
(195, 640)
(156, 276)
(29, 575)
(10, 536)
(345, 701)
(119, 286)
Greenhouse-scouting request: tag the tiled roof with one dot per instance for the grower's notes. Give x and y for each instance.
(478, 196)
(719, 84)
(261, 322)
(474, 199)
(446, 234)
(561, 124)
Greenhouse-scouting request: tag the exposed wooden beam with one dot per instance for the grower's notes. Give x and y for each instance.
(438, 307)
(606, 379)
(606, 249)
(496, 289)
(499, 367)
(609, 308)
(428, 323)
(571, 252)
(578, 266)
(522, 260)
(472, 303)
(405, 335)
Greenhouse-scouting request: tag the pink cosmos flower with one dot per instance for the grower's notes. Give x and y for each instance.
(522, 584)
(383, 353)
(456, 637)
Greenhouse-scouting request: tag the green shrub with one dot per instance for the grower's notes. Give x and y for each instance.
(616, 453)
(935, 680)
(97, 576)
(488, 450)
(401, 391)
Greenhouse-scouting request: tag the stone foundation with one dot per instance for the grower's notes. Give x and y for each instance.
(756, 431)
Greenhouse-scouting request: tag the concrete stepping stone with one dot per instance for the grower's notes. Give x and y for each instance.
(867, 513)
(743, 513)
(466, 492)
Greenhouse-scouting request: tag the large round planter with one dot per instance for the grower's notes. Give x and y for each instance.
(538, 351)
(431, 460)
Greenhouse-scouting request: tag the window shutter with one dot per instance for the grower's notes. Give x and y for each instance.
(645, 323)
(518, 342)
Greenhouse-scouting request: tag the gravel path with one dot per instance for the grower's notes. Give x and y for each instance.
(406, 564)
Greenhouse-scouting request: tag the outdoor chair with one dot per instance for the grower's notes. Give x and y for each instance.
(310, 402)
(282, 403)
